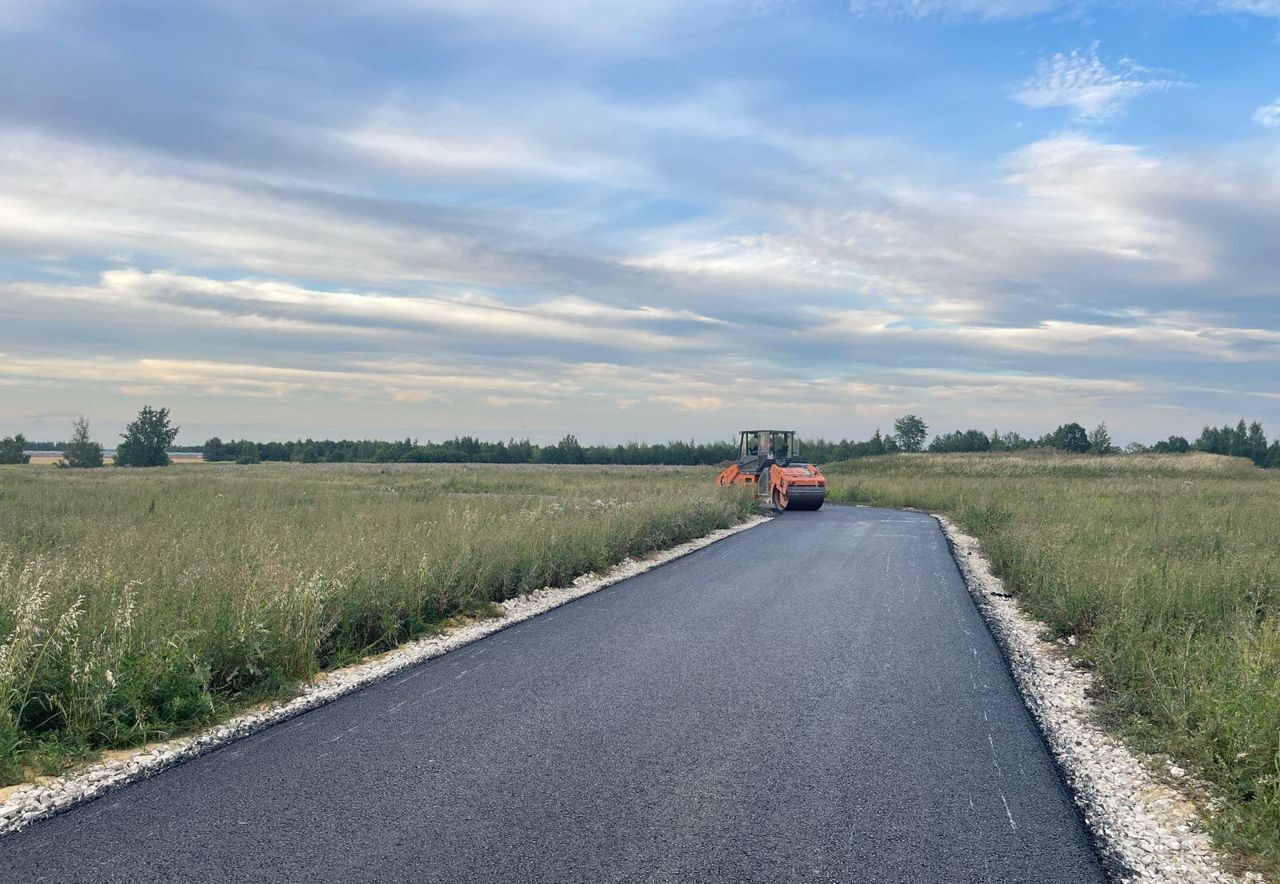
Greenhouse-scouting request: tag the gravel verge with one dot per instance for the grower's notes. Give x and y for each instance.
(1144, 826)
(35, 801)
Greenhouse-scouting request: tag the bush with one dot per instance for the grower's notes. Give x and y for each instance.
(11, 449)
(81, 452)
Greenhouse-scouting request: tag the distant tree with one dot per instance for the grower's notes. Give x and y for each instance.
(13, 448)
(1100, 440)
(1009, 441)
(1256, 444)
(910, 432)
(963, 441)
(247, 452)
(1213, 440)
(147, 439)
(876, 445)
(1068, 437)
(1136, 448)
(1240, 440)
(567, 450)
(1172, 445)
(81, 452)
(215, 450)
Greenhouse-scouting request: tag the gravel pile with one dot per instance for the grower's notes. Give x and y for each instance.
(35, 801)
(1142, 824)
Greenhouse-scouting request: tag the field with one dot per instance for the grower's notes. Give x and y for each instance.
(137, 604)
(45, 459)
(1166, 568)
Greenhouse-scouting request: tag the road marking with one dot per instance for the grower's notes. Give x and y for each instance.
(1007, 812)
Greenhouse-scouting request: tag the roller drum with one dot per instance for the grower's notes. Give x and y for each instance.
(805, 498)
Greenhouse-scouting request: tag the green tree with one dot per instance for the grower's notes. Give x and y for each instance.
(215, 450)
(146, 441)
(1100, 440)
(911, 432)
(248, 453)
(567, 450)
(1172, 445)
(81, 452)
(1068, 437)
(12, 449)
(1256, 444)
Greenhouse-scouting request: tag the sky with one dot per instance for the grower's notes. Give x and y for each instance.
(651, 220)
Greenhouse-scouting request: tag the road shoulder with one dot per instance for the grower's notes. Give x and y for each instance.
(1141, 823)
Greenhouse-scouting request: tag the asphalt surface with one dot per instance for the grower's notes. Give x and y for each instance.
(815, 699)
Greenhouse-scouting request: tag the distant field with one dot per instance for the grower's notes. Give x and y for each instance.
(1166, 566)
(139, 603)
(45, 459)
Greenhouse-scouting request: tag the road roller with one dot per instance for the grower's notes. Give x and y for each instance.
(769, 460)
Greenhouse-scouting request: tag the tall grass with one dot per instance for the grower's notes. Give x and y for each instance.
(1168, 568)
(137, 604)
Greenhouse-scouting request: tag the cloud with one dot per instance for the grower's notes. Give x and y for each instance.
(1268, 115)
(588, 25)
(1003, 10)
(465, 249)
(1268, 8)
(981, 9)
(285, 308)
(1079, 80)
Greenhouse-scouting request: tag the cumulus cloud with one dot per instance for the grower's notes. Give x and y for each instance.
(1081, 81)
(1270, 8)
(1268, 115)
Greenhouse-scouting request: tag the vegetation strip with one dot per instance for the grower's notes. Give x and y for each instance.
(35, 801)
(1144, 826)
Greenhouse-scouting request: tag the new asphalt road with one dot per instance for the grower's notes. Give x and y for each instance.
(815, 699)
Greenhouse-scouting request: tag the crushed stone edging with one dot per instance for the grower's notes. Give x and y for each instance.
(35, 801)
(1143, 826)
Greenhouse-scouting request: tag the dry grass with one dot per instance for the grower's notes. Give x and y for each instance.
(138, 603)
(1168, 568)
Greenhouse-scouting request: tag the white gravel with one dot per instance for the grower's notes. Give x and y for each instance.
(35, 801)
(1140, 822)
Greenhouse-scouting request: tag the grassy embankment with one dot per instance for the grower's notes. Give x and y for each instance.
(1168, 569)
(138, 604)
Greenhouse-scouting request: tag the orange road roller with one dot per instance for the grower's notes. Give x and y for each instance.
(769, 461)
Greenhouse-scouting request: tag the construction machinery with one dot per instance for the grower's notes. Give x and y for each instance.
(769, 461)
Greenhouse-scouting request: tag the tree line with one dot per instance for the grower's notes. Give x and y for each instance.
(148, 440)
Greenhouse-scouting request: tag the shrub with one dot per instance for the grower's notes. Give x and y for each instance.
(11, 449)
(81, 452)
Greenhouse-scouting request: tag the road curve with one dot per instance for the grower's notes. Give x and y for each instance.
(813, 700)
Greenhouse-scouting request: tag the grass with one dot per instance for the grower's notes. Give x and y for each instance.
(1168, 570)
(137, 604)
